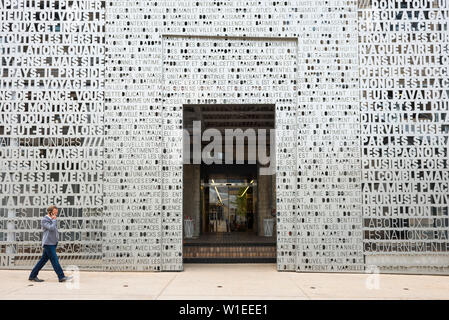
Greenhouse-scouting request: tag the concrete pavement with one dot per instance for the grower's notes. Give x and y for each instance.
(223, 281)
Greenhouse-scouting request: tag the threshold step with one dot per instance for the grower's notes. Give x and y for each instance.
(230, 244)
(229, 260)
(229, 251)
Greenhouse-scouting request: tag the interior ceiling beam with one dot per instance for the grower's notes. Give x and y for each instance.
(239, 127)
(240, 105)
(205, 143)
(252, 112)
(222, 130)
(198, 112)
(231, 121)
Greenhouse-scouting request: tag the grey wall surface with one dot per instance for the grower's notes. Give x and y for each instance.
(51, 130)
(404, 90)
(91, 99)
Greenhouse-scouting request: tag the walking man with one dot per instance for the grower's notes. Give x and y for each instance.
(49, 242)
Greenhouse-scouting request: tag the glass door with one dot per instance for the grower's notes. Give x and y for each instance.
(218, 213)
(228, 206)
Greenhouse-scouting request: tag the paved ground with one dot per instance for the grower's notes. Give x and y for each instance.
(223, 281)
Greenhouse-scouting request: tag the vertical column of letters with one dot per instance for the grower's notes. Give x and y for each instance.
(286, 146)
(172, 160)
(404, 59)
(329, 221)
(133, 136)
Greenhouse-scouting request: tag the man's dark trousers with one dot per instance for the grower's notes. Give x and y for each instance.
(49, 253)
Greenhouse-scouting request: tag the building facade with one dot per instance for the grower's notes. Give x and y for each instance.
(92, 98)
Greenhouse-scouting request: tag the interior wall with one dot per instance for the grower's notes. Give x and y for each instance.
(191, 196)
(264, 190)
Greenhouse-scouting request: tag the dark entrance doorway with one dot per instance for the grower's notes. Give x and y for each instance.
(227, 203)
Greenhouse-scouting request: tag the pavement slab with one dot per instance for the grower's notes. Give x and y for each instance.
(222, 282)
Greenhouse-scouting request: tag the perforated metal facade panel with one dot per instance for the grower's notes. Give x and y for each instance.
(91, 97)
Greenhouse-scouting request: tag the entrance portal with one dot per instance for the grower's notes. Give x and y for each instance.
(226, 201)
(231, 82)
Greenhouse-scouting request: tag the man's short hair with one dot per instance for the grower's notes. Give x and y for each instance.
(50, 209)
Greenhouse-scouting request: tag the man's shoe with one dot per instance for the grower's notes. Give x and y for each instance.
(35, 279)
(65, 279)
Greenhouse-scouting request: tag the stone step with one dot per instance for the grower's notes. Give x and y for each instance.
(231, 252)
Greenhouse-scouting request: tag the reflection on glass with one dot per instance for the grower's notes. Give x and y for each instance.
(218, 209)
(229, 207)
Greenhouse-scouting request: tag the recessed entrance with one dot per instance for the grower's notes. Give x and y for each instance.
(230, 83)
(225, 198)
(228, 198)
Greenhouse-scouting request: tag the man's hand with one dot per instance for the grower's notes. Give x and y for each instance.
(53, 216)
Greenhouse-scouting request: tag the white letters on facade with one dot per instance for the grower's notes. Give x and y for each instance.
(91, 104)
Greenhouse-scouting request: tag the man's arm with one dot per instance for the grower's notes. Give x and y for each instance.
(49, 224)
